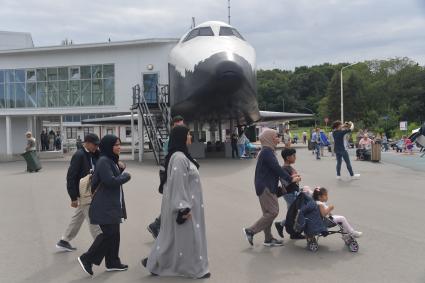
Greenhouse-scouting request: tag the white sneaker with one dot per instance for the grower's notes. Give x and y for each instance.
(338, 177)
(355, 177)
(356, 234)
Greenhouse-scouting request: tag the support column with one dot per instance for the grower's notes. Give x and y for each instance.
(30, 124)
(132, 135)
(8, 137)
(141, 134)
(61, 130)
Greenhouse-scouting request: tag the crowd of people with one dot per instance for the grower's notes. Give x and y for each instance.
(95, 181)
(50, 141)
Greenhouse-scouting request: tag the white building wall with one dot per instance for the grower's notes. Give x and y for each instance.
(130, 62)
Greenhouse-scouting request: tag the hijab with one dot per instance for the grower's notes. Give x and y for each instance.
(177, 142)
(106, 147)
(267, 137)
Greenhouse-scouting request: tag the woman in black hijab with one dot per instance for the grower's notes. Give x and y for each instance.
(107, 208)
(181, 247)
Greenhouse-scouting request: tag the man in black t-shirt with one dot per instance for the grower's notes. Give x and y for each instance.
(339, 131)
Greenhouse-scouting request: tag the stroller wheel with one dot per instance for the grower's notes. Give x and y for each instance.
(354, 246)
(347, 239)
(312, 245)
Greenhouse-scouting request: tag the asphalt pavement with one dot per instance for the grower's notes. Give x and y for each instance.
(386, 204)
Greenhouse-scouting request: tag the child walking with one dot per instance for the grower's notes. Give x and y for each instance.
(320, 195)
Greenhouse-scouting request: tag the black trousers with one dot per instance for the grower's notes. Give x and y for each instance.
(106, 245)
(235, 151)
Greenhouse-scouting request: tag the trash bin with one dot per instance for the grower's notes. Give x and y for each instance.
(376, 152)
(33, 163)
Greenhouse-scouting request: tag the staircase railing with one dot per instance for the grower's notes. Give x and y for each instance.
(154, 135)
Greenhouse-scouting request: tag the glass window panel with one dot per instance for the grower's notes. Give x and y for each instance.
(96, 71)
(74, 73)
(2, 96)
(31, 99)
(108, 86)
(10, 95)
(52, 74)
(192, 34)
(150, 82)
(85, 72)
(52, 94)
(41, 94)
(86, 93)
(97, 90)
(206, 31)
(41, 75)
(10, 76)
(20, 76)
(20, 95)
(31, 75)
(74, 87)
(64, 96)
(108, 71)
(1, 76)
(63, 73)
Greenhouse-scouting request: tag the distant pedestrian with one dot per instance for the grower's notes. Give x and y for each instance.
(316, 139)
(304, 137)
(341, 153)
(385, 142)
(44, 140)
(181, 246)
(58, 142)
(31, 146)
(107, 208)
(267, 175)
(242, 140)
(234, 143)
(30, 156)
(52, 136)
(82, 165)
(286, 138)
(79, 143)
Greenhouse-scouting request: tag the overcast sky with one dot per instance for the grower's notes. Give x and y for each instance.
(285, 33)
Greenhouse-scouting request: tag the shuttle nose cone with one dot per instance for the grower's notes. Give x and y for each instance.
(229, 75)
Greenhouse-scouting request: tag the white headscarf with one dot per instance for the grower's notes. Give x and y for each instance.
(267, 138)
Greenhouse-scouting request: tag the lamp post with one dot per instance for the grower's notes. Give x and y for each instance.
(342, 91)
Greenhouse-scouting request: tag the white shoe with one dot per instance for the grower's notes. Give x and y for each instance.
(338, 177)
(356, 234)
(355, 177)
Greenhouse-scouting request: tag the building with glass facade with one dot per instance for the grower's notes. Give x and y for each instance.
(57, 86)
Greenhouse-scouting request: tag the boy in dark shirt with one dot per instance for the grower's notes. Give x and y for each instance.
(292, 189)
(339, 131)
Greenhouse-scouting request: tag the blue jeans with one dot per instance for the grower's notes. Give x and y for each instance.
(289, 199)
(241, 148)
(339, 157)
(317, 150)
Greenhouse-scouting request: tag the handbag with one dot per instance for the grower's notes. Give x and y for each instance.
(85, 190)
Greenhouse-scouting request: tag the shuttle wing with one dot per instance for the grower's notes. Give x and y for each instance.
(270, 116)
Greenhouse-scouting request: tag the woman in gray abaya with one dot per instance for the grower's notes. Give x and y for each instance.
(181, 246)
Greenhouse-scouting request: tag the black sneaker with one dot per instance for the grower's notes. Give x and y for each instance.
(119, 267)
(153, 229)
(65, 246)
(206, 276)
(144, 262)
(273, 243)
(249, 236)
(279, 228)
(86, 266)
(297, 236)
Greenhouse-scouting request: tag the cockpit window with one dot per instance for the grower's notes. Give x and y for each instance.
(202, 31)
(228, 31)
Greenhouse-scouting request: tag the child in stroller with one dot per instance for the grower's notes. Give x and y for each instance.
(304, 216)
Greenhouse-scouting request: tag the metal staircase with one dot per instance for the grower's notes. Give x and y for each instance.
(155, 118)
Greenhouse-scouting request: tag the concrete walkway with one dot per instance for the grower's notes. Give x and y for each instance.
(386, 204)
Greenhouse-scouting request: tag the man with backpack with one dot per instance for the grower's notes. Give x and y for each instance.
(82, 164)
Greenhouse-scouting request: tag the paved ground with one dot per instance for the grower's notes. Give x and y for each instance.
(386, 204)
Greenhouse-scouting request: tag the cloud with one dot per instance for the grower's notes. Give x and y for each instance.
(285, 33)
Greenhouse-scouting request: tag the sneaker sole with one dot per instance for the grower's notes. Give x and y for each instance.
(82, 266)
(65, 249)
(246, 236)
(272, 245)
(116, 269)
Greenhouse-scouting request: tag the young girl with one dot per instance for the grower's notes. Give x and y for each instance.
(320, 195)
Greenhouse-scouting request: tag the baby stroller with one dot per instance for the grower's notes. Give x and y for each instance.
(350, 242)
(304, 216)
